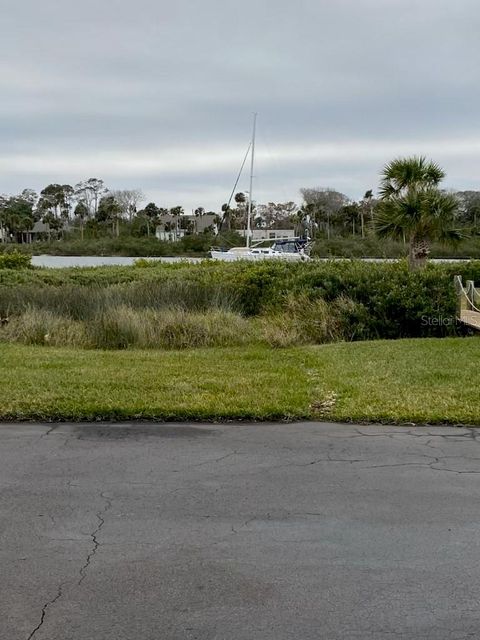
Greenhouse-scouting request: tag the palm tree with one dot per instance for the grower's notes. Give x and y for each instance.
(366, 205)
(413, 207)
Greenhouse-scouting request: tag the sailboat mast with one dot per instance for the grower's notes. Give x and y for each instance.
(250, 195)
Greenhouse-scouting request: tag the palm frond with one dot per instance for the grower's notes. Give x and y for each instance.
(389, 219)
(403, 174)
(429, 213)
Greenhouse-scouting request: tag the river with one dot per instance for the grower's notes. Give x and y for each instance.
(56, 262)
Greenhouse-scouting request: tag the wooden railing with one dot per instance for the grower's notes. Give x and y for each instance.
(468, 302)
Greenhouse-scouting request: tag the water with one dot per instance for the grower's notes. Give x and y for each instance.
(56, 262)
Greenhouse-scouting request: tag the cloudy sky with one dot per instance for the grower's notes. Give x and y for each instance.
(159, 95)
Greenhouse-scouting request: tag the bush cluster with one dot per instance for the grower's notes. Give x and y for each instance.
(278, 303)
(126, 245)
(373, 247)
(14, 260)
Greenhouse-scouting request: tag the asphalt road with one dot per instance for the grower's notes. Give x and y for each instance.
(227, 532)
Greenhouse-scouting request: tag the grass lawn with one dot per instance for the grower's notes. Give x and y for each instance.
(421, 380)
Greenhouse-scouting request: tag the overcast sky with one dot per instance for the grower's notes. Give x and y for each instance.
(159, 95)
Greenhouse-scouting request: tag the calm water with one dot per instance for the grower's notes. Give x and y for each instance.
(56, 262)
(95, 261)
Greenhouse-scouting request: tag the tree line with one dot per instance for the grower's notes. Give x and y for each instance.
(87, 206)
(409, 191)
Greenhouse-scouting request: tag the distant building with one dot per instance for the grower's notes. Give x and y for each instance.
(172, 228)
(268, 234)
(39, 230)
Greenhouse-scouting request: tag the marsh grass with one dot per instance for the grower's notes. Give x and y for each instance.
(42, 327)
(123, 327)
(86, 302)
(102, 322)
(313, 321)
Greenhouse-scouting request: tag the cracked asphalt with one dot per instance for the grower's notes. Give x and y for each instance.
(228, 532)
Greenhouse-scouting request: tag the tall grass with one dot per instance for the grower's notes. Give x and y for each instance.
(85, 302)
(123, 327)
(314, 321)
(40, 326)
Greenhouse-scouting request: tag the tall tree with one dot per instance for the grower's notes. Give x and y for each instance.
(277, 215)
(89, 192)
(366, 208)
(321, 206)
(54, 205)
(151, 214)
(238, 216)
(413, 207)
(350, 217)
(128, 199)
(81, 214)
(109, 211)
(176, 212)
(226, 221)
(68, 199)
(16, 215)
(469, 212)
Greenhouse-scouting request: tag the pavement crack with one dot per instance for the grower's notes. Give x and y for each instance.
(473, 433)
(214, 460)
(44, 611)
(454, 470)
(329, 459)
(400, 464)
(362, 434)
(94, 536)
(49, 431)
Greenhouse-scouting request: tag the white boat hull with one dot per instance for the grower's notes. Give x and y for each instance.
(232, 256)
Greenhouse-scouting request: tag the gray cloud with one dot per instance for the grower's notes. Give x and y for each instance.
(160, 97)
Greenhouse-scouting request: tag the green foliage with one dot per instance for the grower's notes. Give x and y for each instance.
(412, 207)
(106, 246)
(15, 260)
(368, 247)
(373, 247)
(124, 245)
(364, 300)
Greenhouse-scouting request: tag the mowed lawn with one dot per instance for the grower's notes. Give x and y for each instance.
(420, 381)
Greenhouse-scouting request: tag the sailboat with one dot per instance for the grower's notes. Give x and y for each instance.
(290, 249)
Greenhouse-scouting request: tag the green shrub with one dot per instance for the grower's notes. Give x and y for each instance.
(373, 247)
(368, 247)
(367, 299)
(15, 260)
(144, 263)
